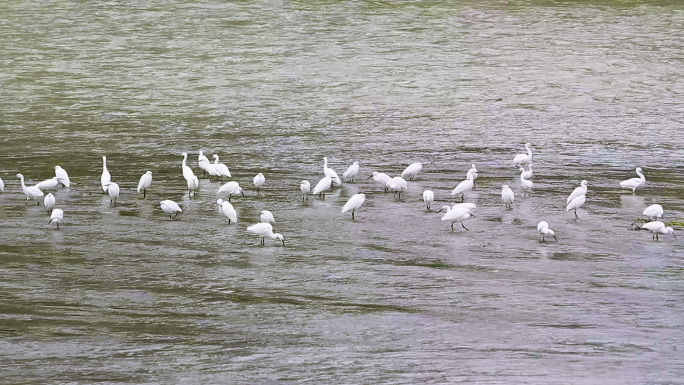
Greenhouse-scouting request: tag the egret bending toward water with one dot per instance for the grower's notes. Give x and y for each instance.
(113, 190)
(56, 216)
(634, 183)
(526, 185)
(227, 209)
(48, 184)
(232, 188)
(576, 203)
(581, 190)
(454, 215)
(266, 217)
(323, 185)
(464, 186)
(654, 211)
(330, 172)
(523, 159)
(507, 196)
(62, 175)
(221, 168)
(106, 177)
(31, 192)
(351, 172)
(381, 178)
(658, 227)
(171, 208)
(259, 181)
(543, 229)
(398, 184)
(49, 202)
(354, 203)
(428, 197)
(412, 170)
(264, 230)
(145, 182)
(305, 187)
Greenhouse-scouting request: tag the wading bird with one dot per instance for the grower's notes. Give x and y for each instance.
(354, 203)
(543, 229)
(264, 230)
(171, 208)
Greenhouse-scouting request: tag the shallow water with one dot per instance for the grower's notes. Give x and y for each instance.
(123, 294)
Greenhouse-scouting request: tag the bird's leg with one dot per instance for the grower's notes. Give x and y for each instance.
(576, 214)
(464, 226)
(554, 237)
(353, 213)
(144, 192)
(656, 234)
(452, 226)
(462, 197)
(58, 225)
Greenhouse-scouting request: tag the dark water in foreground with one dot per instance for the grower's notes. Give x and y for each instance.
(122, 294)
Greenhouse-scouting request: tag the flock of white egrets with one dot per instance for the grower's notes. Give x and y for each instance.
(456, 213)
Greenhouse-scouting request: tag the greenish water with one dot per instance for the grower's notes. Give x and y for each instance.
(123, 294)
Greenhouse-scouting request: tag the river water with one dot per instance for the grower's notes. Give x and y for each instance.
(123, 294)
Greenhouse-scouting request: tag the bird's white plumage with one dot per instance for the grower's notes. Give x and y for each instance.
(428, 197)
(49, 202)
(113, 191)
(472, 173)
(48, 184)
(227, 209)
(56, 216)
(397, 184)
(523, 159)
(464, 186)
(204, 164)
(62, 176)
(381, 178)
(31, 192)
(507, 196)
(2, 185)
(145, 181)
(330, 172)
(266, 217)
(543, 230)
(456, 215)
(576, 203)
(106, 177)
(654, 211)
(230, 188)
(188, 174)
(412, 170)
(259, 180)
(264, 230)
(526, 184)
(221, 168)
(658, 227)
(581, 190)
(351, 172)
(527, 173)
(354, 202)
(323, 185)
(634, 183)
(170, 207)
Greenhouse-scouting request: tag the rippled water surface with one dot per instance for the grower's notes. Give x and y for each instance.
(123, 294)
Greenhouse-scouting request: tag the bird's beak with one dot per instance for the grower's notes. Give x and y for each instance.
(554, 237)
(370, 176)
(282, 240)
(440, 210)
(243, 193)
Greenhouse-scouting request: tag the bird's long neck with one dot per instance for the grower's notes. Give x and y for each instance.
(185, 158)
(640, 175)
(104, 164)
(529, 150)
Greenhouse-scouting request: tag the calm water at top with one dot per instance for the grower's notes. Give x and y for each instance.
(123, 294)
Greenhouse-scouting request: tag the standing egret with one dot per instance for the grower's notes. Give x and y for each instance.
(266, 217)
(464, 186)
(188, 174)
(528, 174)
(106, 176)
(543, 229)
(62, 175)
(412, 170)
(113, 190)
(654, 211)
(658, 227)
(398, 184)
(221, 168)
(454, 215)
(31, 192)
(428, 197)
(232, 188)
(323, 185)
(203, 163)
(354, 203)
(264, 230)
(581, 190)
(576, 203)
(351, 172)
(526, 185)
(171, 208)
(48, 184)
(259, 181)
(634, 183)
(2, 185)
(227, 209)
(49, 202)
(523, 159)
(330, 172)
(381, 178)
(473, 173)
(193, 185)
(507, 196)
(145, 182)
(56, 216)
(305, 187)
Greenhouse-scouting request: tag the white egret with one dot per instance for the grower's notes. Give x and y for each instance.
(204, 164)
(113, 190)
(221, 168)
(258, 181)
(529, 173)
(398, 184)
(351, 172)
(581, 190)
(454, 215)
(305, 187)
(576, 203)
(62, 175)
(56, 216)
(473, 173)
(543, 229)
(231, 188)
(188, 174)
(654, 211)
(49, 202)
(464, 186)
(48, 184)
(634, 183)
(227, 209)
(507, 196)
(145, 182)
(31, 192)
(106, 176)
(323, 185)
(412, 170)
(523, 159)
(658, 227)
(354, 203)
(266, 217)
(193, 185)
(264, 230)
(2, 185)
(171, 208)
(381, 178)
(330, 172)
(428, 198)
(526, 185)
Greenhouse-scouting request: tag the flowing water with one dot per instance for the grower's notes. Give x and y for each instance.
(123, 294)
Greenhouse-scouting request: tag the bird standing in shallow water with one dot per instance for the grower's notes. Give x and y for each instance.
(48, 184)
(654, 211)
(227, 209)
(351, 172)
(464, 186)
(264, 230)
(576, 203)
(49, 202)
(523, 159)
(581, 190)
(381, 178)
(428, 198)
(543, 229)
(305, 188)
(507, 196)
(259, 181)
(658, 227)
(31, 192)
(412, 170)
(330, 172)
(323, 185)
(106, 177)
(220, 168)
(113, 190)
(56, 216)
(457, 214)
(232, 188)
(145, 182)
(62, 175)
(526, 185)
(354, 203)
(634, 183)
(171, 208)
